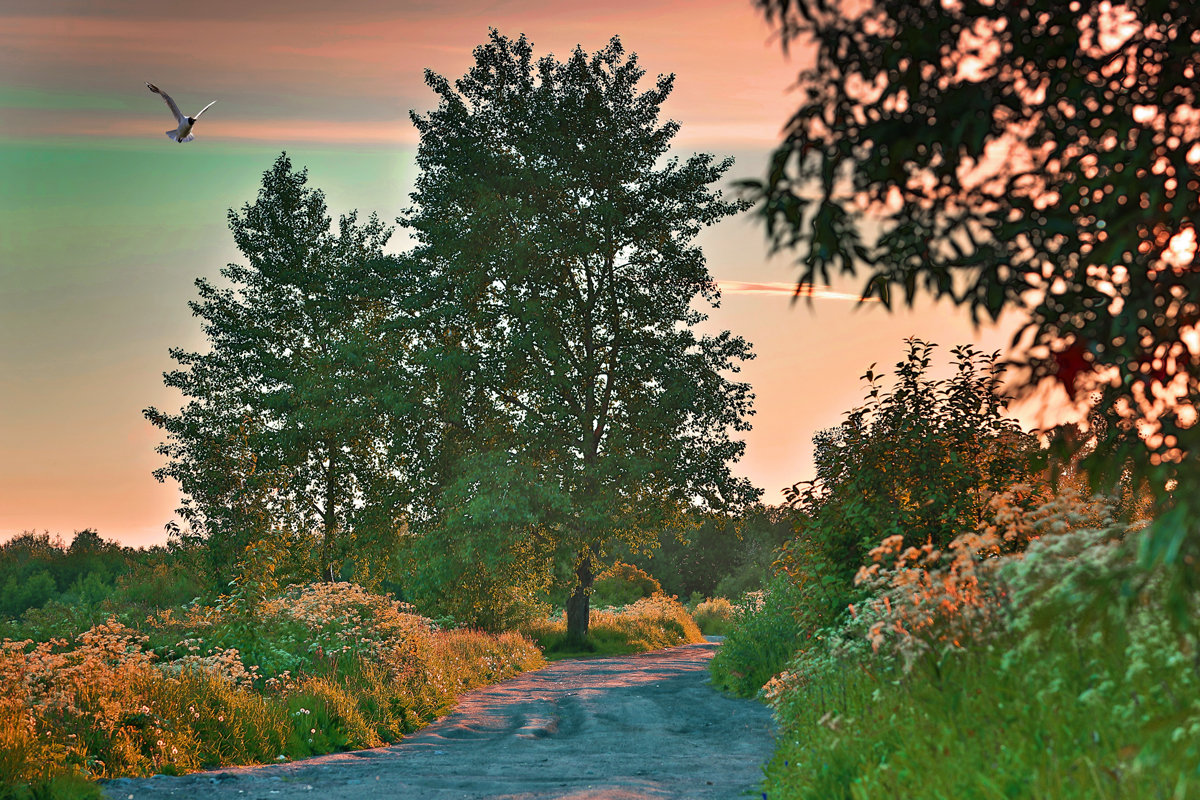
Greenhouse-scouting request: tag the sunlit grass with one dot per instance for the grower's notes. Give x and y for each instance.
(324, 668)
(651, 623)
(714, 616)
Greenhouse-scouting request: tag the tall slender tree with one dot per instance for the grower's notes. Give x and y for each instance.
(559, 286)
(282, 430)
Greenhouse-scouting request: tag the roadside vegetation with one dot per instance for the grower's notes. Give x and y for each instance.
(99, 679)
(109, 684)
(973, 613)
(318, 668)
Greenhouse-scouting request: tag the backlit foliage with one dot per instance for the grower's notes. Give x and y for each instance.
(917, 461)
(1039, 156)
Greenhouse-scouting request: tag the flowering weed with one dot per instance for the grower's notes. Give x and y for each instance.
(327, 667)
(988, 671)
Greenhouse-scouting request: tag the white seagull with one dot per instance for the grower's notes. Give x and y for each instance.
(184, 132)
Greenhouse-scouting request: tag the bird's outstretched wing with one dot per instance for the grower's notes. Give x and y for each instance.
(201, 111)
(171, 103)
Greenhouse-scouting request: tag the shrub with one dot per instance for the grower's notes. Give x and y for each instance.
(622, 584)
(764, 635)
(19, 594)
(918, 460)
(1057, 672)
(714, 616)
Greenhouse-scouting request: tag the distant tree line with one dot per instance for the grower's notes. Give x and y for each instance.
(36, 568)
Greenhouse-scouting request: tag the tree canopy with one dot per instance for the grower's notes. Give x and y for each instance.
(1039, 156)
(557, 284)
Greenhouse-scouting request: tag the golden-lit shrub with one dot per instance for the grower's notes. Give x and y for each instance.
(622, 584)
(714, 616)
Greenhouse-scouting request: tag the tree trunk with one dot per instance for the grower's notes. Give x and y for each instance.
(330, 571)
(578, 604)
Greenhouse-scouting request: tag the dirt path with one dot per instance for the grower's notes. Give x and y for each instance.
(626, 728)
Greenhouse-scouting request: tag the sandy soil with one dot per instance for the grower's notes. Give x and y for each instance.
(625, 728)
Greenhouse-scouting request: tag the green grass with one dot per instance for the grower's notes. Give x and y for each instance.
(1059, 723)
(714, 616)
(763, 635)
(1067, 671)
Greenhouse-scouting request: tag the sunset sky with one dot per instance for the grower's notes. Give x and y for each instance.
(105, 224)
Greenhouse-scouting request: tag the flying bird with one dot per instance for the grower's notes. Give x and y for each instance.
(184, 132)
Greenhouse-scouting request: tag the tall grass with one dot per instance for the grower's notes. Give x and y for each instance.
(325, 667)
(714, 616)
(648, 624)
(1060, 672)
(764, 634)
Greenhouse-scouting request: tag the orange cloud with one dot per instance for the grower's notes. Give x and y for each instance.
(369, 62)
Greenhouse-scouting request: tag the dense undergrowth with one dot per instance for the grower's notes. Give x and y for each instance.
(314, 669)
(714, 616)
(323, 667)
(950, 622)
(1066, 670)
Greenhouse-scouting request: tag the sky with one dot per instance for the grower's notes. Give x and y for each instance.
(105, 224)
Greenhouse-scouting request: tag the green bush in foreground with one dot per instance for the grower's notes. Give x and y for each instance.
(322, 668)
(1057, 673)
(649, 624)
(765, 633)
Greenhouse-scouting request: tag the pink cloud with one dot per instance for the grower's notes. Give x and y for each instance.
(60, 123)
(815, 292)
(730, 87)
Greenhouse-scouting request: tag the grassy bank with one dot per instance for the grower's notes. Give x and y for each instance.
(325, 667)
(1068, 670)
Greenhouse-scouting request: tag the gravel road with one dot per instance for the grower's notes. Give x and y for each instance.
(624, 728)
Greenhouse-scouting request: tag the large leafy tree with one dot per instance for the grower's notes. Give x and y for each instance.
(1034, 155)
(282, 430)
(578, 406)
